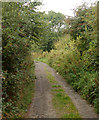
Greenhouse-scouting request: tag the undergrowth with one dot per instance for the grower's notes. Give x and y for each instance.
(78, 71)
(18, 97)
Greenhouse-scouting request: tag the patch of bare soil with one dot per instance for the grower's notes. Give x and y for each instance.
(41, 106)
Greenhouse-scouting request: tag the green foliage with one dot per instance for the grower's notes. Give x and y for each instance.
(66, 60)
(15, 89)
(21, 28)
(56, 21)
(54, 26)
(84, 31)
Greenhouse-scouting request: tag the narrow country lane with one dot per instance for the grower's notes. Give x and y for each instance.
(42, 107)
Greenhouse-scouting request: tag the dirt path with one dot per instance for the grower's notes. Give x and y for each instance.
(41, 106)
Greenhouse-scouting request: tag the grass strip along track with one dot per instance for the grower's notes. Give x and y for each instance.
(61, 101)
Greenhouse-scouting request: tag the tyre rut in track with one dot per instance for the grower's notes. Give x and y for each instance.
(41, 106)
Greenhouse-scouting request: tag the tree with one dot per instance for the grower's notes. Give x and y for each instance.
(22, 27)
(56, 20)
(79, 26)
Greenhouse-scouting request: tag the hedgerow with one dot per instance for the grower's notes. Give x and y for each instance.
(76, 71)
(18, 36)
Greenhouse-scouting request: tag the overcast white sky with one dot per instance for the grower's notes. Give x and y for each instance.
(63, 6)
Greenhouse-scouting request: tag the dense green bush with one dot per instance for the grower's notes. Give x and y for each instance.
(21, 28)
(15, 89)
(67, 61)
(84, 32)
